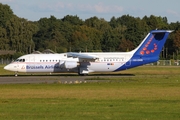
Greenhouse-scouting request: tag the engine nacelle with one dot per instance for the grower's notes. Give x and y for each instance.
(68, 64)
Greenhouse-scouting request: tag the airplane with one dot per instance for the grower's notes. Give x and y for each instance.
(84, 63)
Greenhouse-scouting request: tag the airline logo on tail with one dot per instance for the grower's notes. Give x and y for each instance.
(146, 50)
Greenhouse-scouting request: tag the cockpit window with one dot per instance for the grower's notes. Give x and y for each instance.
(20, 60)
(16, 60)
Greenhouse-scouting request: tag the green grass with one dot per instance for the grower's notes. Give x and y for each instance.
(4, 72)
(153, 93)
(90, 101)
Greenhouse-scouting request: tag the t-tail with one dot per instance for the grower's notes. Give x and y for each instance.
(153, 43)
(149, 50)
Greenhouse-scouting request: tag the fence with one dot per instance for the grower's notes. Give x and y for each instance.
(159, 63)
(5, 61)
(166, 63)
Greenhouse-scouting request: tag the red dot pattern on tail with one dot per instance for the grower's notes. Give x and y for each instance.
(145, 50)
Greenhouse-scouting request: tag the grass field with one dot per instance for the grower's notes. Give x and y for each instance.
(153, 93)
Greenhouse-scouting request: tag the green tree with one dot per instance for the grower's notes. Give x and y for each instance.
(80, 42)
(57, 42)
(94, 37)
(176, 42)
(126, 45)
(73, 20)
(51, 35)
(135, 28)
(4, 42)
(19, 32)
(6, 13)
(110, 41)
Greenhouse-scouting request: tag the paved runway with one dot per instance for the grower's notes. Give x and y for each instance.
(39, 79)
(65, 79)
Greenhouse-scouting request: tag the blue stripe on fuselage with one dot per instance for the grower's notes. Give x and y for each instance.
(137, 61)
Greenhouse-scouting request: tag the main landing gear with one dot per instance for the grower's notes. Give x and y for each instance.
(82, 71)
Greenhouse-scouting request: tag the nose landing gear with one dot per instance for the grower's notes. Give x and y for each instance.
(16, 74)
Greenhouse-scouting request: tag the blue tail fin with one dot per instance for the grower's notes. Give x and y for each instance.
(148, 51)
(153, 43)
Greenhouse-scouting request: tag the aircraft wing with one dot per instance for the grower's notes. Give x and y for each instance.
(81, 55)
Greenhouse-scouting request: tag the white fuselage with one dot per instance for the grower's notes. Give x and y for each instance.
(62, 63)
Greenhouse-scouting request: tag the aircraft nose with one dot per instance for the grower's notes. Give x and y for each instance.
(7, 67)
(11, 67)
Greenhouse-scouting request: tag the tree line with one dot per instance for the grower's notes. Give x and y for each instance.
(94, 34)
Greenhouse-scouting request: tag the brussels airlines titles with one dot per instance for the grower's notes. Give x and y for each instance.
(41, 67)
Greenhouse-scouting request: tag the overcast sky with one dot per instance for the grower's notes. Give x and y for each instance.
(35, 9)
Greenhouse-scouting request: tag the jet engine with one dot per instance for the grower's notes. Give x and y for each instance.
(68, 64)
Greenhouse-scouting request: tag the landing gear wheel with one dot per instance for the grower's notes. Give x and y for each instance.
(16, 74)
(80, 74)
